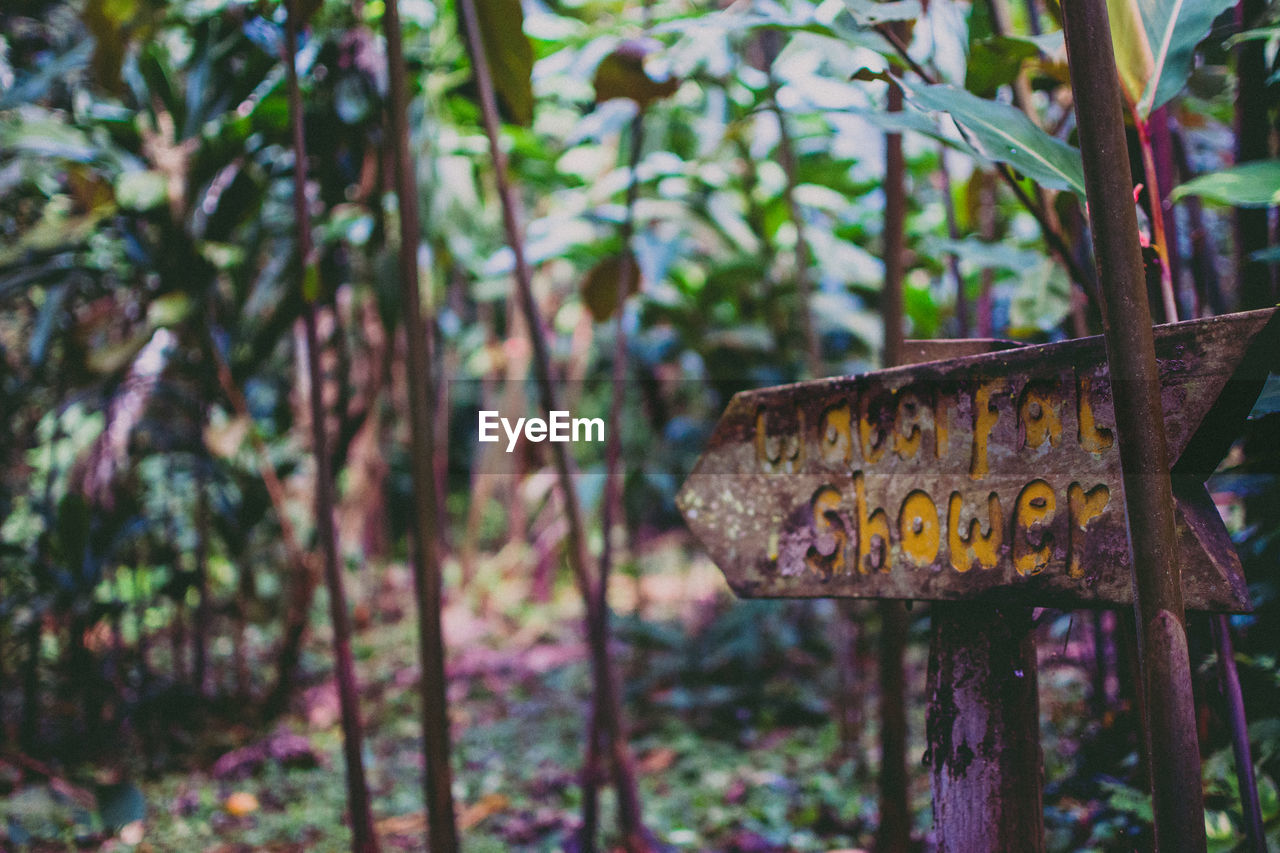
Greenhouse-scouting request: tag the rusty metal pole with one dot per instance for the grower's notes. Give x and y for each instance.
(1170, 731)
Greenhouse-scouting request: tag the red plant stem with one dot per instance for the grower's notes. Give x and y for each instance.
(1166, 179)
(363, 839)
(1155, 196)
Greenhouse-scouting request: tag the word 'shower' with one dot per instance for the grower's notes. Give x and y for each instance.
(995, 476)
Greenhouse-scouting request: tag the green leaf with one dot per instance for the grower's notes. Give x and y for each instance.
(311, 283)
(37, 85)
(141, 190)
(41, 135)
(995, 62)
(1040, 299)
(51, 311)
(1155, 43)
(1004, 134)
(1257, 34)
(600, 287)
(510, 56)
(1255, 184)
(622, 74)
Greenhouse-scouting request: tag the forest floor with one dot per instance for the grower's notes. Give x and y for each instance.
(731, 706)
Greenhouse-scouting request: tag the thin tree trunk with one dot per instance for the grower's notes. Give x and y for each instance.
(203, 606)
(987, 231)
(30, 727)
(634, 836)
(1229, 679)
(363, 839)
(442, 832)
(770, 41)
(1206, 290)
(301, 569)
(953, 232)
(614, 471)
(894, 832)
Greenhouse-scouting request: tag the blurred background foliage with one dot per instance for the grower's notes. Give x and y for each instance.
(154, 479)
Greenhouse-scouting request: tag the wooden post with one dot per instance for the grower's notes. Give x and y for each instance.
(983, 721)
(983, 727)
(1170, 731)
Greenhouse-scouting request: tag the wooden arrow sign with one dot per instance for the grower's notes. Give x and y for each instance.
(993, 477)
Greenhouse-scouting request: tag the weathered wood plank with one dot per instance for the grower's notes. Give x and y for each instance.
(993, 477)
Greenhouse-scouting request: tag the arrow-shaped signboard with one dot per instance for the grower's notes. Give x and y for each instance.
(993, 477)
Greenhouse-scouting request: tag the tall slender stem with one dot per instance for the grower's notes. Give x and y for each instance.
(953, 232)
(613, 726)
(1229, 678)
(442, 832)
(770, 42)
(363, 839)
(614, 474)
(894, 832)
(1155, 196)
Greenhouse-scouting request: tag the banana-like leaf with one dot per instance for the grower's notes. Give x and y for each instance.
(510, 56)
(1255, 184)
(1004, 134)
(1155, 43)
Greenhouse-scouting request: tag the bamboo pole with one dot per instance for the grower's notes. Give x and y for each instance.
(1170, 731)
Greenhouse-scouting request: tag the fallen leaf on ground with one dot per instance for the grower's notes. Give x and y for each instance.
(241, 803)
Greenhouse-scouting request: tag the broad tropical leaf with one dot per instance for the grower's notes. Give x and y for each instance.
(1155, 43)
(1003, 133)
(1255, 184)
(510, 56)
(995, 62)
